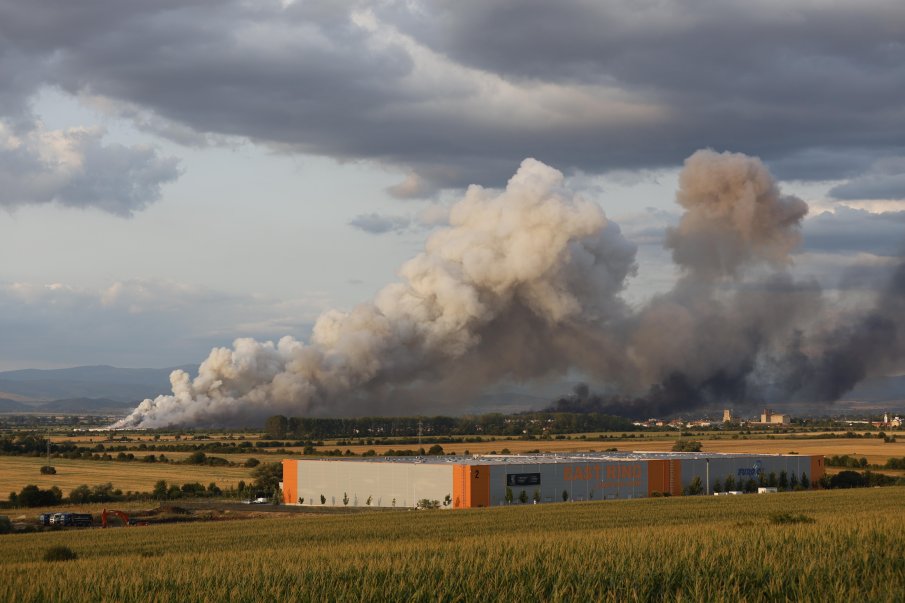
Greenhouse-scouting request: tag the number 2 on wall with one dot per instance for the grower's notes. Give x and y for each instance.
(477, 473)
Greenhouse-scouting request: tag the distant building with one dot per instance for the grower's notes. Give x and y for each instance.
(768, 417)
(727, 416)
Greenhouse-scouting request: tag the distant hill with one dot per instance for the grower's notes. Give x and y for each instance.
(7, 405)
(86, 406)
(98, 382)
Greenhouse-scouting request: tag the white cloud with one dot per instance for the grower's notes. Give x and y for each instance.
(74, 168)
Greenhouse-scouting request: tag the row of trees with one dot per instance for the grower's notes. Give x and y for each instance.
(535, 423)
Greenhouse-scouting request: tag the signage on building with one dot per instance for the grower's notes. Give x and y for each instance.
(523, 479)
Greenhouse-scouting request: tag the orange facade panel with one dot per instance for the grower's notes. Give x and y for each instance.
(471, 486)
(817, 470)
(460, 483)
(675, 477)
(657, 476)
(290, 481)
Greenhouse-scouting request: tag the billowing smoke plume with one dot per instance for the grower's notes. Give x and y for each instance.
(525, 283)
(734, 216)
(514, 266)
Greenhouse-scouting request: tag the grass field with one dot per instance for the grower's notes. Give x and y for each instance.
(848, 548)
(19, 471)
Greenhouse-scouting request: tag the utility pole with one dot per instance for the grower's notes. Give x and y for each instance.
(420, 431)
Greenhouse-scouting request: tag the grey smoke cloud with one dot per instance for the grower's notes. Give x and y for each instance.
(734, 214)
(526, 283)
(528, 265)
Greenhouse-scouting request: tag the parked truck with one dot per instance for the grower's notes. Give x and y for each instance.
(78, 520)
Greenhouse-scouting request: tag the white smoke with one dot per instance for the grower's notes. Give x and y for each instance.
(525, 265)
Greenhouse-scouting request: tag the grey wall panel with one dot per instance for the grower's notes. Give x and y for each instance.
(744, 468)
(581, 481)
(407, 483)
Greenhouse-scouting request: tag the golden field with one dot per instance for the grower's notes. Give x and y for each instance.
(802, 546)
(19, 471)
(875, 450)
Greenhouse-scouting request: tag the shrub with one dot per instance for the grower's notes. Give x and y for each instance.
(695, 488)
(48, 470)
(687, 446)
(59, 553)
(6, 525)
(32, 496)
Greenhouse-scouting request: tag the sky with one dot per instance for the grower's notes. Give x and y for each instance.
(174, 175)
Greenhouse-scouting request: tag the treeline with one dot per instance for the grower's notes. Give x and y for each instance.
(851, 462)
(266, 480)
(535, 423)
(34, 445)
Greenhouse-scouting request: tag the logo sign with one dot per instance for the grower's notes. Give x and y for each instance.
(754, 471)
(523, 479)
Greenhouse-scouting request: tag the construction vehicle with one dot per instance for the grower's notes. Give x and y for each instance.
(79, 520)
(122, 517)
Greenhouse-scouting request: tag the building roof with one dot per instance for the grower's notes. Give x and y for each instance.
(549, 458)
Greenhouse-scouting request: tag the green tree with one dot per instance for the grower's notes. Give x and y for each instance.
(368, 502)
(196, 458)
(687, 446)
(267, 476)
(536, 496)
(323, 499)
(345, 499)
(565, 495)
(793, 481)
(805, 481)
(772, 481)
(523, 497)
(730, 483)
(695, 488)
(32, 496)
(276, 427)
(750, 485)
(80, 495)
(508, 495)
(783, 480)
(717, 485)
(160, 490)
(435, 449)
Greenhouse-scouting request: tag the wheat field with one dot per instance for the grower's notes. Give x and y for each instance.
(19, 471)
(846, 546)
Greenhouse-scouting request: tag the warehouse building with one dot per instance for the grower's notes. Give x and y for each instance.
(459, 482)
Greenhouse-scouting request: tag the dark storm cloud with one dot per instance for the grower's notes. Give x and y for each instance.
(468, 89)
(884, 180)
(848, 230)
